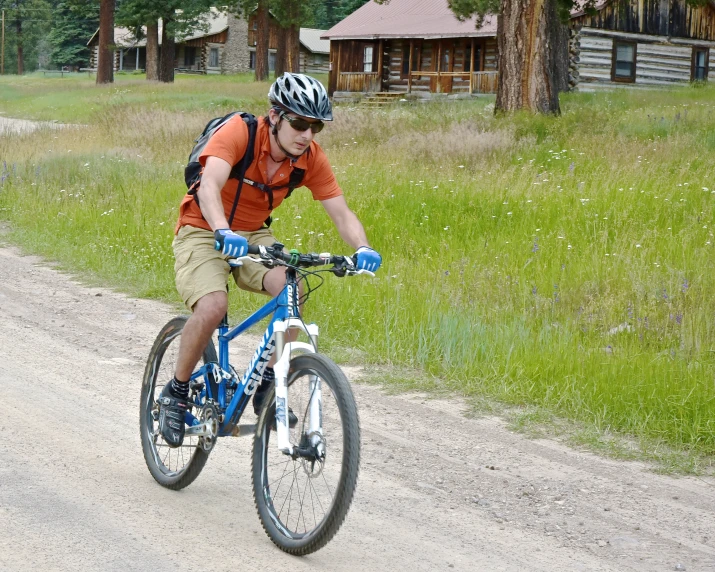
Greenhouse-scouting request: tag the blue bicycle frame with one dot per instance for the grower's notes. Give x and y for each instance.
(283, 307)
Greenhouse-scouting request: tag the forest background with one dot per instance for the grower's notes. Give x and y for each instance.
(50, 34)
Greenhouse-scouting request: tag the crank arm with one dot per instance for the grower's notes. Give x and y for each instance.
(200, 430)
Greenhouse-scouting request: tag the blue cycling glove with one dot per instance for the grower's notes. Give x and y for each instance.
(230, 243)
(367, 259)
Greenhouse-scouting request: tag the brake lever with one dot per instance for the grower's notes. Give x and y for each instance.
(356, 272)
(237, 262)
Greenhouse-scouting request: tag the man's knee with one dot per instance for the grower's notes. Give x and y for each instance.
(212, 307)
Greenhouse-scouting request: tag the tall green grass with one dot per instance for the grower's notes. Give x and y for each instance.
(565, 262)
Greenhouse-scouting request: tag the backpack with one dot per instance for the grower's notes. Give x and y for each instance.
(192, 172)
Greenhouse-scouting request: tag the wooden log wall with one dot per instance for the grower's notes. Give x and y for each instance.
(311, 63)
(658, 62)
(675, 18)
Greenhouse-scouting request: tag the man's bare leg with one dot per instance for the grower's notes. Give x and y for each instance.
(207, 315)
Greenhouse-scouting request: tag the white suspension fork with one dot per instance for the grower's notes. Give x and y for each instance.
(284, 351)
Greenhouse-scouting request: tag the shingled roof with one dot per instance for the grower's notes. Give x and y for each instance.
(408, 19)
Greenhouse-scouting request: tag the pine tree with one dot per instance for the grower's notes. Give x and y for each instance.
(73, 25)
(178, 18)
(27, 22)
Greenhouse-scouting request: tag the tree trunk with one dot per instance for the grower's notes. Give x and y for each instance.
(528, 33)
(281, 46)
(20, 57)
(262, 38)
(562, 60)
(152, 51)
(167, 54)
(105, 65)
(293, 49)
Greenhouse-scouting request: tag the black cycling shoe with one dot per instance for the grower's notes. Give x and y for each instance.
(260, 396)
(172, 415)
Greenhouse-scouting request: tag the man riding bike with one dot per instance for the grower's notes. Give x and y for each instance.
(204, 239)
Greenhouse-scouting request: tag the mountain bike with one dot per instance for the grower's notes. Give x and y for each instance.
(304, 475)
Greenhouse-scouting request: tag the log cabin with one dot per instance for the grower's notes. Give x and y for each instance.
(412, 46)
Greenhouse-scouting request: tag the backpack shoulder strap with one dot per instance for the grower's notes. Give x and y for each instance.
(239, 169)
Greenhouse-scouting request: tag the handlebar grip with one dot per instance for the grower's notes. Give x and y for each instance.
(253, 249)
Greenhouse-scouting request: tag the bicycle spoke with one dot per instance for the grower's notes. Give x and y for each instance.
(305, 527)
(317, 496)
(291, 496)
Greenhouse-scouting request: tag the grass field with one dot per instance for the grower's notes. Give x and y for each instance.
(560, 263)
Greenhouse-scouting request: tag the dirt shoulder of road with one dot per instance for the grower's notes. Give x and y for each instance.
(439, 487)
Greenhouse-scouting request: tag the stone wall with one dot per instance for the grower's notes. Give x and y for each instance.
(236, 57)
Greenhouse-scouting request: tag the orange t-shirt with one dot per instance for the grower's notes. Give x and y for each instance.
(230, 143)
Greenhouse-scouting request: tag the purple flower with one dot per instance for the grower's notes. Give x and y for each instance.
(685, 286)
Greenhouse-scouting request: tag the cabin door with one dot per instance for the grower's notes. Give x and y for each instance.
(446, 65)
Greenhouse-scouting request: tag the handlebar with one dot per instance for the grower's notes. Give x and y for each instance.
(276, 256)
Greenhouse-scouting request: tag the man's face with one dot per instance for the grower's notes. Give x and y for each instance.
(291, 134)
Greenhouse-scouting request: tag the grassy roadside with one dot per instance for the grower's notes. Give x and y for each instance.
(559, 263)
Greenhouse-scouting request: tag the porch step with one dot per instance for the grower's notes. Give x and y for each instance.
(381, 99)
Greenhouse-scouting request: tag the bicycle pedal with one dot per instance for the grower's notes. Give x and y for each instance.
(196, 385)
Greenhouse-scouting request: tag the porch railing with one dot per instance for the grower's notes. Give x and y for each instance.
(359, 82)
(485, 82)
(480, 82)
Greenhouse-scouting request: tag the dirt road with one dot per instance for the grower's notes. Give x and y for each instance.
(437, 491)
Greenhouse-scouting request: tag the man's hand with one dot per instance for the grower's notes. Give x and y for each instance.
(230, 243)
(367, 259)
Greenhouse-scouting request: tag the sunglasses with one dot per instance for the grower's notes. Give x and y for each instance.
(301, 124)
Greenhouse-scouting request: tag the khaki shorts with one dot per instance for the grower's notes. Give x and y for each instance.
(201, 270)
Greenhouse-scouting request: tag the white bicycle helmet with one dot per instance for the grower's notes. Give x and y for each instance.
(301, 94)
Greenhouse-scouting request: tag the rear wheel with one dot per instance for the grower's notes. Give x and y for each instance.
(174, 468)
(302, 502)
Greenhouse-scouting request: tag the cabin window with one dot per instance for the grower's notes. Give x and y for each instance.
(446, 56)
(468, 59)
(699, 68)
(624, 62)
(367, 59)
(252, 61)
(271, 61)
(213, 58)
(416, 56)
(405, 70)
(189, 56)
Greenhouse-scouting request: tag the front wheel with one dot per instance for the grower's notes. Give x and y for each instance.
(174, 468)
(303, 502)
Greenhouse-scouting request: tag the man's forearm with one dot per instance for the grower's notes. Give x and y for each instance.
(212, 206)
(351, 230)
